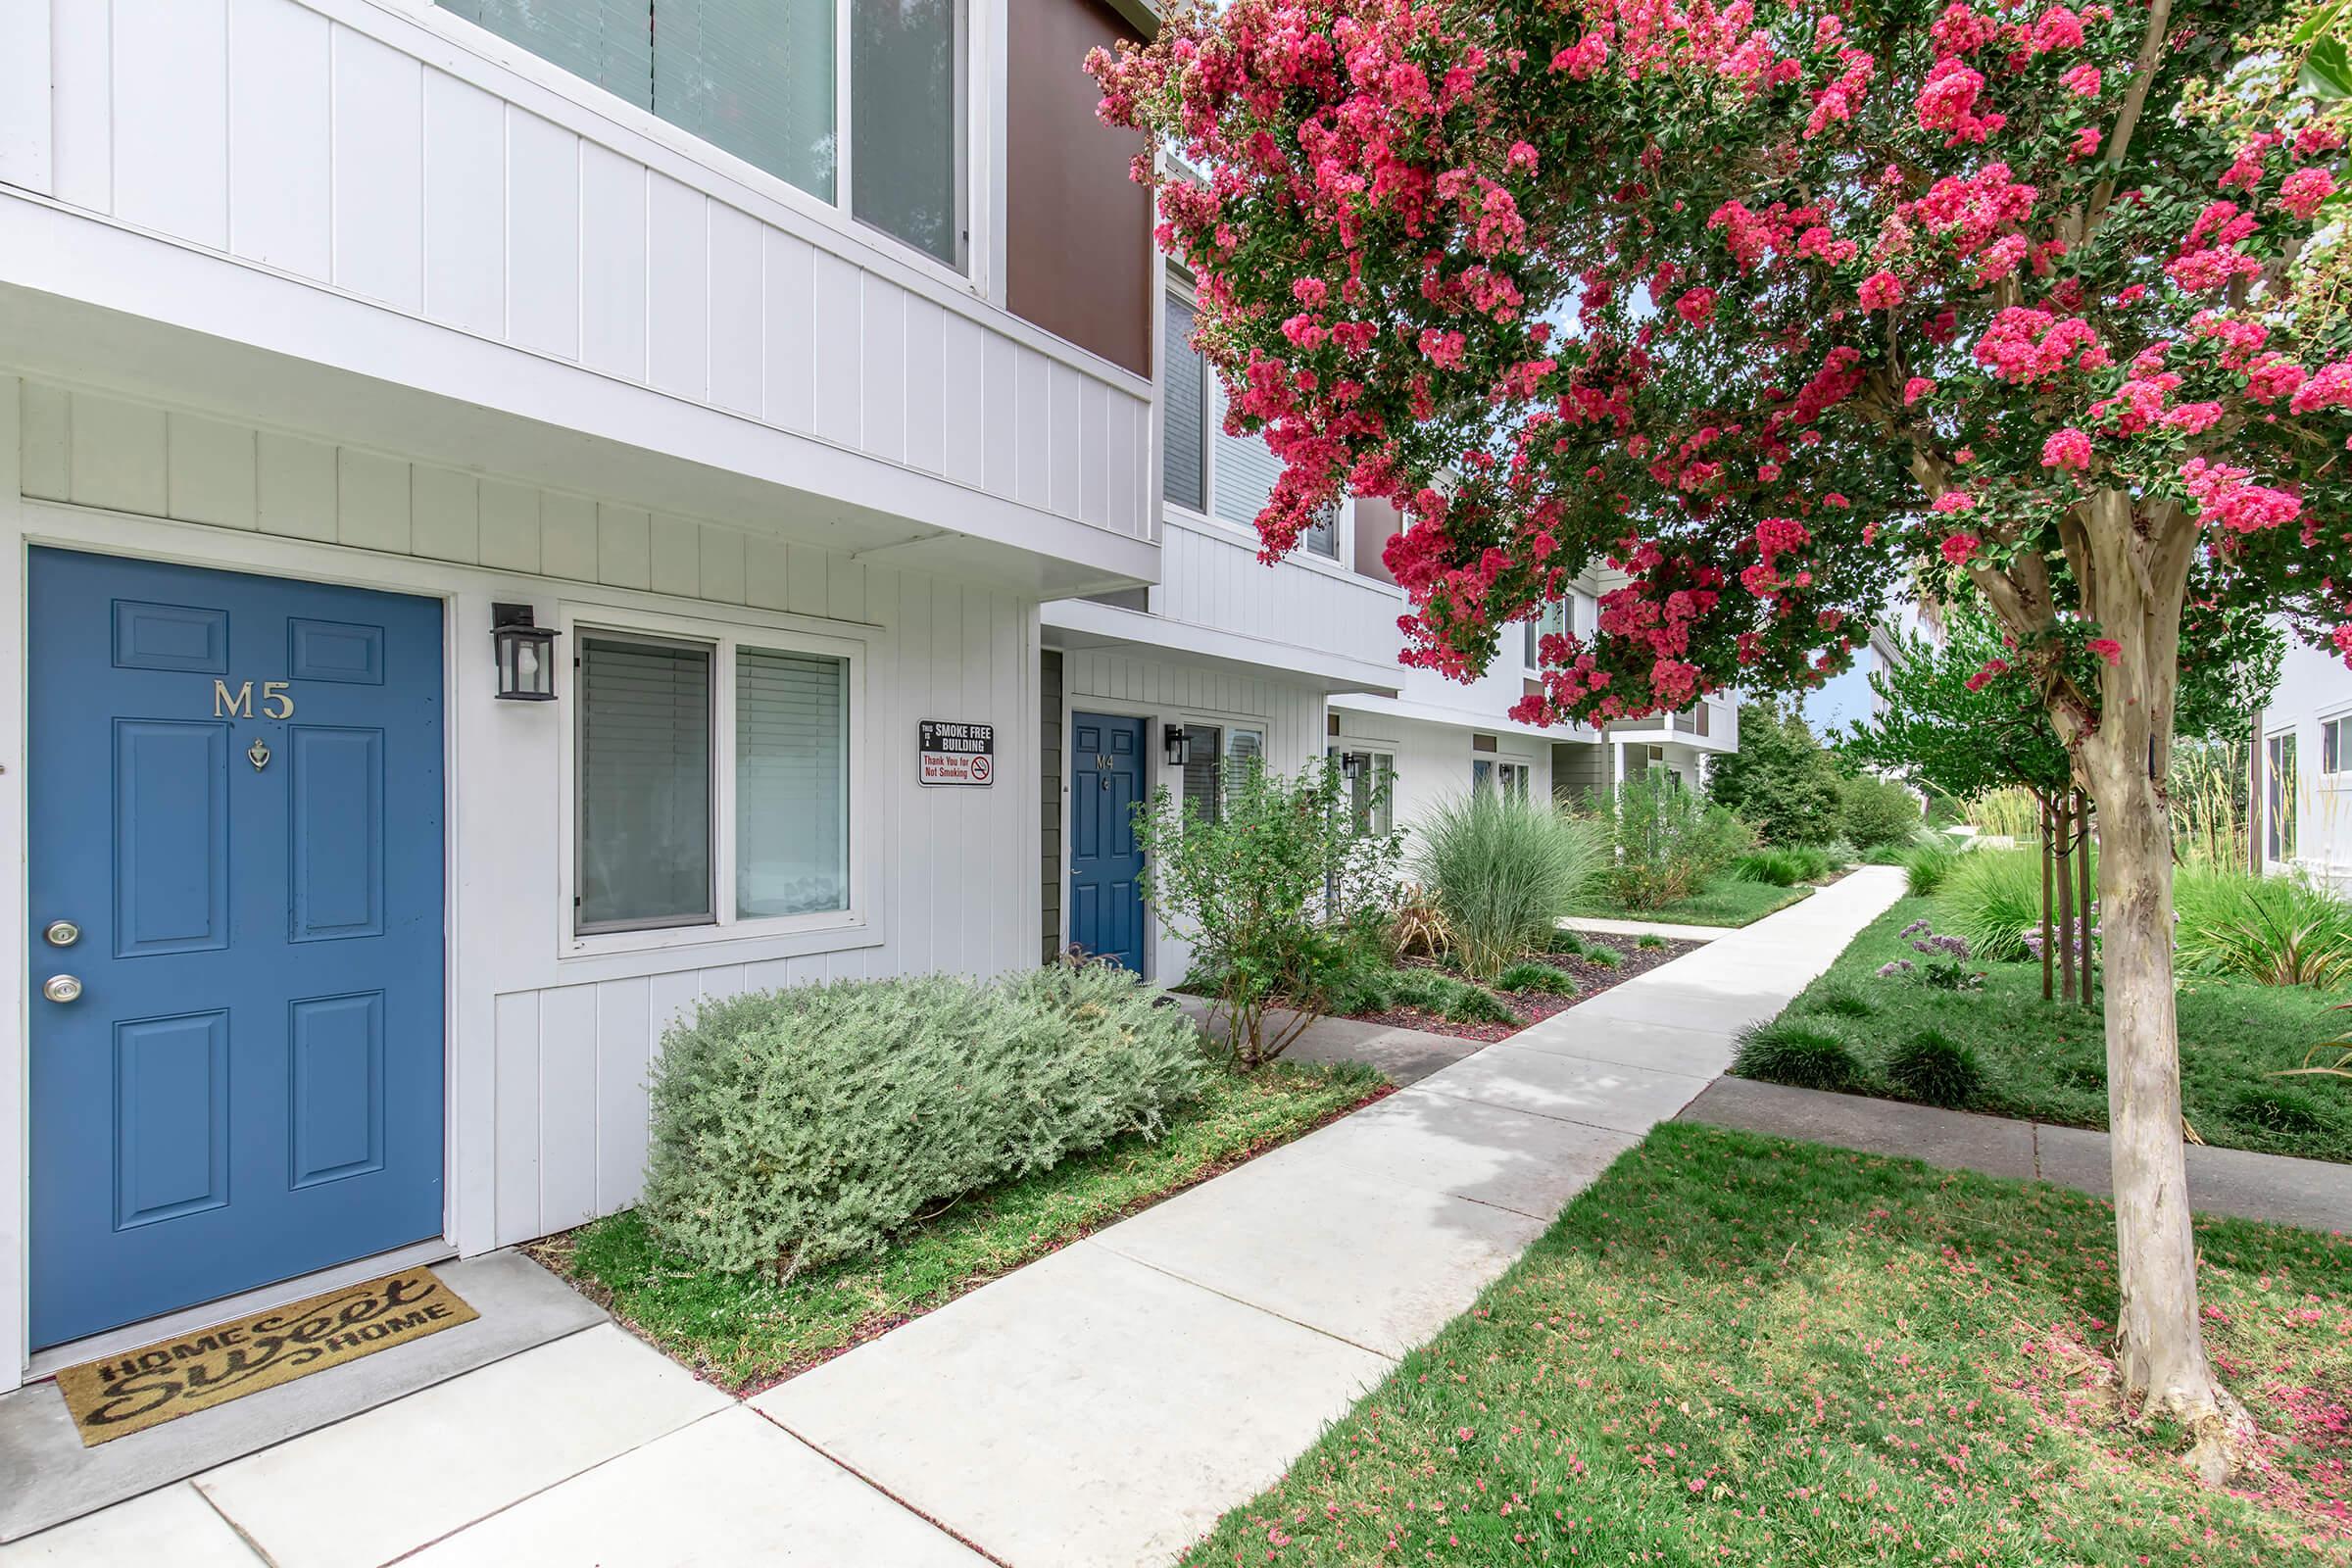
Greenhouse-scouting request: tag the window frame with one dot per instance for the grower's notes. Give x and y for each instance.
(981, 84)
(1176, 283)
(725, 636)
(2335, 736)
(2282, 818)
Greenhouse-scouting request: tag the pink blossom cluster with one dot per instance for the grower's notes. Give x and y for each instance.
(2025, 346)
(2225, 501)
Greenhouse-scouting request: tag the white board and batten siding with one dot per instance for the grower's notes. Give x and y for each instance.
(1133, 680)
(548, 1070)
(427, 168)
(1211, 576)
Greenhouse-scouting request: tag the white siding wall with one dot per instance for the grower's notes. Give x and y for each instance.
(1131, 681)
(548, 1121)
(337, 142)
(1211, 576)
(2312, 685)
(1434, 760)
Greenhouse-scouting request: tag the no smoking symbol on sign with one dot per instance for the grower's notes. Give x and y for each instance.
(980, 766)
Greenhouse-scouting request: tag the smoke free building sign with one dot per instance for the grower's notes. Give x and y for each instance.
(955, 752)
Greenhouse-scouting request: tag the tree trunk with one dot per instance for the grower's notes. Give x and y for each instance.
(2083, 901)
(2049, 946)
(2066, 898)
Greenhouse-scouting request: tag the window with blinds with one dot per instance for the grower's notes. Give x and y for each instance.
(1203, 771)
(758, 79)
(1558, 620)
(751, 77)
(792, 783)
(1184, 477)
(643, 783)
(906, 122)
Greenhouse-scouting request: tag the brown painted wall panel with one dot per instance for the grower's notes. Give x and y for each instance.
(1078, 231)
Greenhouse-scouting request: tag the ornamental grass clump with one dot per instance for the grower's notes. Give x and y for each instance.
(1791, 1051)
(1994, 897)
(2275, 931)
(1935, 1070)
(1503, 869)
(794, 1127)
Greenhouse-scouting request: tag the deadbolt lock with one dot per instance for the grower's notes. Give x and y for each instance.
(62, 933)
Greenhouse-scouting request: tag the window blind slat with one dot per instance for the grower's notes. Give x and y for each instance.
(645, 783)
(792, 783)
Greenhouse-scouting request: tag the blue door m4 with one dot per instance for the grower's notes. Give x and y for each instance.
(236, 949)
(1107, 864)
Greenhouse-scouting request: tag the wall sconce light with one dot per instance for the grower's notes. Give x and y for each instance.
(1352, 765)
(1171, 740)
(526, 655)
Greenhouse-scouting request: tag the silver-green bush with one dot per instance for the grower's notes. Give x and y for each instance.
(793, 1127)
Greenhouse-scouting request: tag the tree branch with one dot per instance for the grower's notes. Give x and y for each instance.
(2135, 98)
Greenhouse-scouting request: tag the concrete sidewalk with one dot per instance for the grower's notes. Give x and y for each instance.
(2315, 1195)
(1100, 1407)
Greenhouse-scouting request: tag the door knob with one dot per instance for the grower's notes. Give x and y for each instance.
(60, 987)
(60, 933)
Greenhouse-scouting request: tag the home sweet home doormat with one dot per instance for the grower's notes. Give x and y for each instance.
(134, 1390)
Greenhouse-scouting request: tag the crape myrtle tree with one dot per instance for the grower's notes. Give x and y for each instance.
(1774, 310)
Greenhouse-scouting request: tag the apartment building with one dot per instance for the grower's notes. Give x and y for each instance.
(2300, 794)
(519, 517)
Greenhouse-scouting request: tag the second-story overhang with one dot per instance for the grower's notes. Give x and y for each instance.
(1422, 712)
(1081, 624)
(97, 303)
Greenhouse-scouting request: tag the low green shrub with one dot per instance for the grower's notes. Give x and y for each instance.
(1502, 869)
(1774, 867)
(794, 1127)
(1790, 1051)
(2278, 1108)
(1936, 1069)
(1562, 940)
(1840, 1000)
(1538, 977)
(1816, 862)
(1994, 897)
(1602, 955)
(1649, 939)
(1425, 990)
(1874, 810)
(2277, 930)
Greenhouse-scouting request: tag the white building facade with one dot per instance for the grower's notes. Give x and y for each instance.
(2300, 817)
(334, 333)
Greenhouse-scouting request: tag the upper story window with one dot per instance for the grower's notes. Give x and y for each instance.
(2335, 745)
(1205, 470)
(764, 79)
(1558, 620)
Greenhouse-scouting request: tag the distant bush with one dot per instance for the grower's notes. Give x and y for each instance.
(1927, 866)
(1502, 869)
(793, 1127)
(1816, 862)
(2276, 931)
(1666, 841)
(1936, 1069)
(1649, 939)
(1538, 977)
(1874, 810)
(1780, 781)
(1789, 1050)
(1994, 897)
(1772, 867)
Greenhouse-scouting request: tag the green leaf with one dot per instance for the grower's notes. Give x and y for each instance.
(2328, 69)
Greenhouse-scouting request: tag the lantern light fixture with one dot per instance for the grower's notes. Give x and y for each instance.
(1171, 739)
(526, 655)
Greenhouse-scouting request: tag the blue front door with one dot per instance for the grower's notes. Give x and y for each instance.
(236, 849)
(1106, 868)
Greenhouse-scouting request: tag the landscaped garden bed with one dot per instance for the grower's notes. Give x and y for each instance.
(1976, 1034)
(746, 1331)
(1593, 964)
(1739, 1349)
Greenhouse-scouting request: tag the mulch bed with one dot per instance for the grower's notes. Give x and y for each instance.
(1534, 1007)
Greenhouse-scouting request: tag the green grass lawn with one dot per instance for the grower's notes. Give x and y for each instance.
(1740, 1350)
(1722, 902)
(743, 1329)
(2047, 1061)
